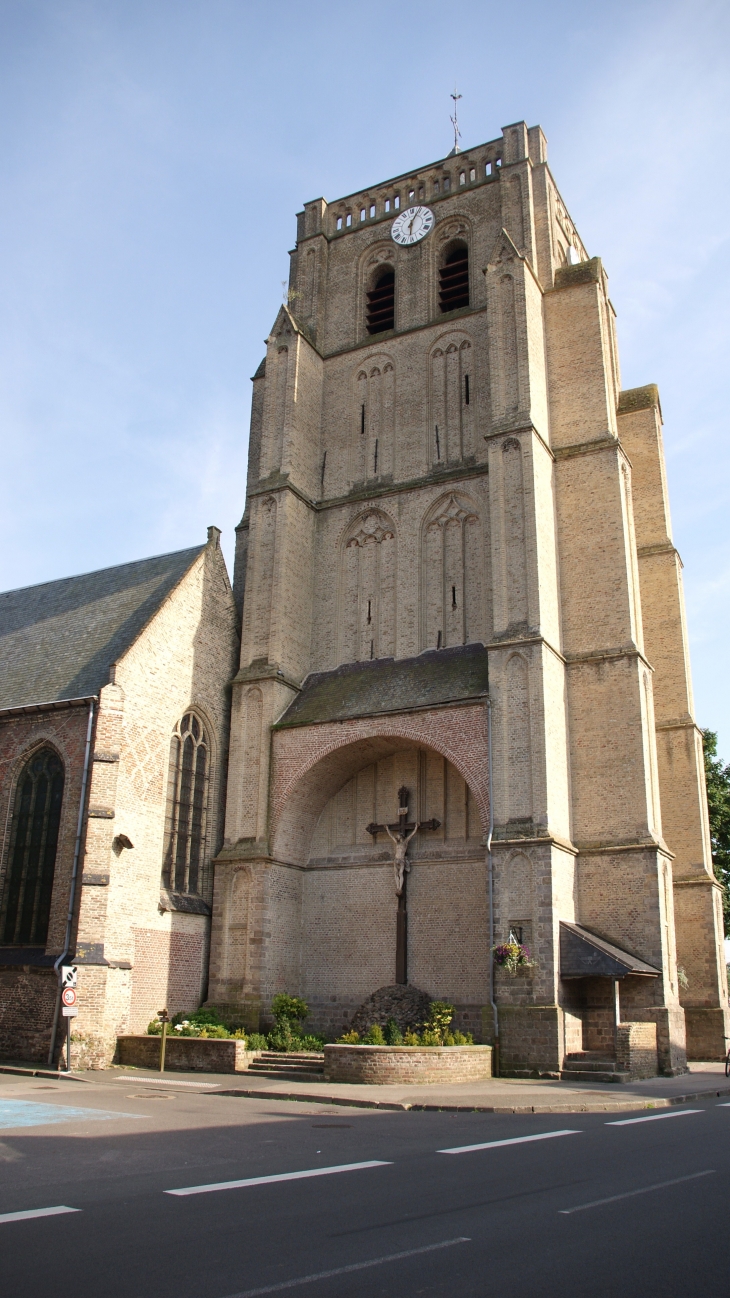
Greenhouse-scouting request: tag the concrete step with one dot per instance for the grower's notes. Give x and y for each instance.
(257, 1065)
(584, 1075)
(282, 1074)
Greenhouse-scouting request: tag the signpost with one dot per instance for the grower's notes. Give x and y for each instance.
(69, 1005)
(164, 1018)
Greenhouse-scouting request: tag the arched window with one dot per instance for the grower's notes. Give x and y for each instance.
(454, 279)
(380, 313)
(26, 900)
(187, 807)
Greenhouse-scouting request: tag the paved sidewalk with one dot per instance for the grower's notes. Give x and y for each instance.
(499, 1095)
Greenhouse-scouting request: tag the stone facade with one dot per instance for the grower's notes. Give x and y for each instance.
(137, 947)
(468, 477)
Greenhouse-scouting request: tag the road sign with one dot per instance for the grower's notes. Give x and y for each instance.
(68, 975)
(69, 1011)
(68, 997)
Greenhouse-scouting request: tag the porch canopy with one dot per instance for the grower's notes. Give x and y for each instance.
(583, 955)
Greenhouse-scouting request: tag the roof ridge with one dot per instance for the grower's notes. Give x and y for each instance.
(94, 572)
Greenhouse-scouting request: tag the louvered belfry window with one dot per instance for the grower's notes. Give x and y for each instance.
(381, 304)
(454, 279)
(26, 899)
(184, 864)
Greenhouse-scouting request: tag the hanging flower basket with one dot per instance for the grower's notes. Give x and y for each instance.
(511, 956)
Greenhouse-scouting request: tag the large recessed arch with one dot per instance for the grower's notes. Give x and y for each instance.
(307, 775)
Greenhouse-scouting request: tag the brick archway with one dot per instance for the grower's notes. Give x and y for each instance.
(311, 763)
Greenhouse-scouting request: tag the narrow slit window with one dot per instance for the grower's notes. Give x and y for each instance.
(348, 219)
(26, 897)
(339, 223)
(453, 596)
(411, 193)
(466, 389)
(362, 418)
(362, 213)
(438, 444)
(387, 204)
(375, 459)
(381, 304)
(472, 174)
(396, 202)
(435, 187)
(372, 209)
(447, 182)
(488, 169)
(324, 465)
(462, 177)
(184, 866)
(454, 279)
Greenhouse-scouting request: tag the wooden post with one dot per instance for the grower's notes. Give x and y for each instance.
(164, 1020)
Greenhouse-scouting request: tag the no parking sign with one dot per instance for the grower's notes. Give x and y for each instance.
(69, 1006)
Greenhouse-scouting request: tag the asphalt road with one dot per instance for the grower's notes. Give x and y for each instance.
(601, 1204)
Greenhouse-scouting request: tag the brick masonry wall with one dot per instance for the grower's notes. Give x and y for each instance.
(27, 1004)
(636, 1049)
(385, 1065)
(186, 1054)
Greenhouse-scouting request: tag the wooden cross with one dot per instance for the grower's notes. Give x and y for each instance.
(401, 834)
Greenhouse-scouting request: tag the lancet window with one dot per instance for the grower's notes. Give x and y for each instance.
(454, 278)
(26, 900)
(452, 575)
(184, 866)
(380, 310)
(369, 589)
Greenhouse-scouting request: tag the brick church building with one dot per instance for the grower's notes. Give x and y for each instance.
(462, 629)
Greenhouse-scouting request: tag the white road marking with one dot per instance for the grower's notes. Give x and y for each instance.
(36, 1212)
(724, 1105)
(282, 1176)
(163, 1081)
(660, 1185)
(654, 1117)
(355, 1266)
(514, 1140)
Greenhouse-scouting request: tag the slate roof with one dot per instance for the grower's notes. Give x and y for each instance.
(390, 685)
(584, 955)
(59, 640)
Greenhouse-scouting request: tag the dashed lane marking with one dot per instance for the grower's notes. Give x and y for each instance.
(36, 1212)
(654, 1117)
(514, 1140)
(646, 1189)
(281, 1176)
(354, 1266)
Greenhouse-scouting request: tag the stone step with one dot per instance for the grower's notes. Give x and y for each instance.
(590, 1065)
(284, 1066)
(585, 1075)
(298, 1075)
(286, 1056)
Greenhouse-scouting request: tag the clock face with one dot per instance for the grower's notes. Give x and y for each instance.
(412, 226)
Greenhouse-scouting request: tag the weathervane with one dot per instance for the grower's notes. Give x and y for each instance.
(455, 123)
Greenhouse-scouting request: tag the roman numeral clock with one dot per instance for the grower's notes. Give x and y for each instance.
(412, 225)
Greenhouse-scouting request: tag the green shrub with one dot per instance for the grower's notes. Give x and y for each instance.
(440, 1014)
(289, 1008)
(256, 1041)
(311, 1042)
(154, 1029)
(349, 1039)
(430, 1037)
(411, 1039)
(374, 1036)
(393, 1034)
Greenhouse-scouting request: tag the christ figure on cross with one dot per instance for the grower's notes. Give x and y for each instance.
(400, 835)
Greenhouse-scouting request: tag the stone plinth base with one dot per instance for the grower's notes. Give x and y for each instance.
(636, 1050)
(530, 1040)
(381, 1065)
(185, 1054)
(706, 1032)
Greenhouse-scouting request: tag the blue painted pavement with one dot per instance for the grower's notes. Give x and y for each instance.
(25, 1113)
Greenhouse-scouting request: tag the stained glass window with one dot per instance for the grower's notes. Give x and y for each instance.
(184, 864)
(26, 897)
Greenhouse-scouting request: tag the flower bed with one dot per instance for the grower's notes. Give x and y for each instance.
(382, 1065)
(186, 1054)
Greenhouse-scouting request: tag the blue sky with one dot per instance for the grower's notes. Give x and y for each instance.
(153, 154)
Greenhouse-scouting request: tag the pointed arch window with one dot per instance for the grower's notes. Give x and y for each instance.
(380, 314)
(184, 867)
(26, 899)
(454, 279)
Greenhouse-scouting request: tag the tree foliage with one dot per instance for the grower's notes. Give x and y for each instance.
(717, 778)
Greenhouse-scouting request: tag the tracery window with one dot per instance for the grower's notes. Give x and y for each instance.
(183, 868)
(26, 898)
(454, 279)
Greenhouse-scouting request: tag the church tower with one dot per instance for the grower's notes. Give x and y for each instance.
(457, 529)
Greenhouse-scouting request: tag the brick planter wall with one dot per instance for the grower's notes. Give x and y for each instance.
(380, 1065)
(636, 1049)
(185, 1054)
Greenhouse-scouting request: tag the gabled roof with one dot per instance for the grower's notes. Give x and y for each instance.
(59, 640)
(584, 955)
(390, 685)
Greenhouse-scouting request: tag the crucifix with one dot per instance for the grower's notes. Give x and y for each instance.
(400, 835)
